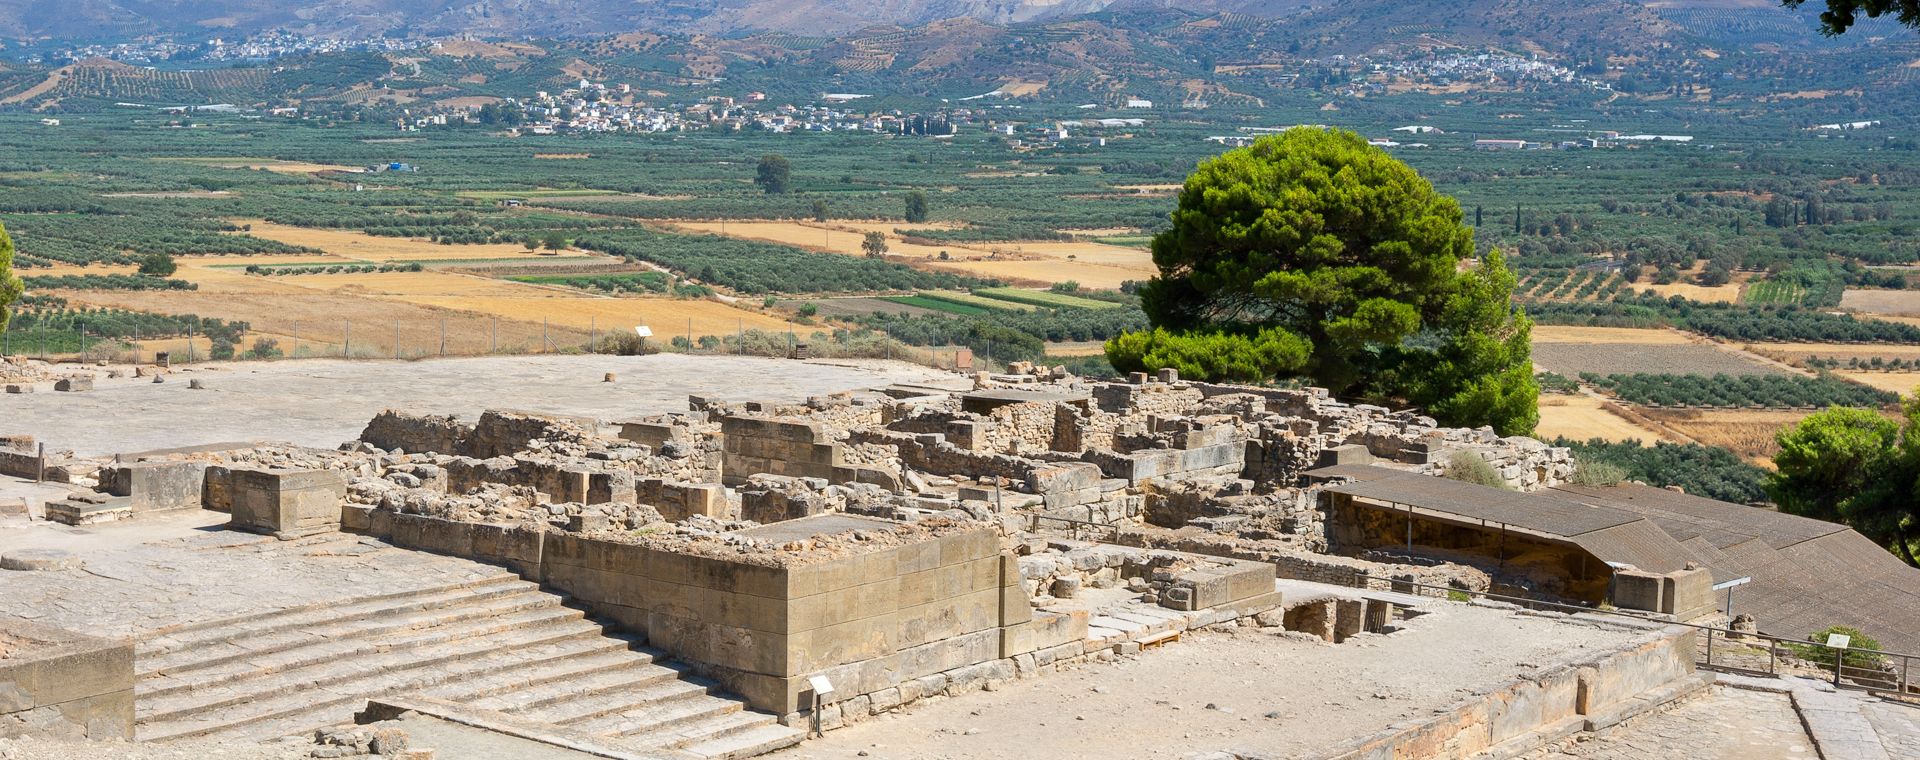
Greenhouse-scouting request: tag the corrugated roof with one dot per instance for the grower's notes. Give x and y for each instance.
(1807, 574)
(1536, 512)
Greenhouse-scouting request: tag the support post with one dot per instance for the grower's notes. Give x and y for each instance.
(40, 465)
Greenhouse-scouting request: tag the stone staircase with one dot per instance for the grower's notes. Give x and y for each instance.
(497, 643)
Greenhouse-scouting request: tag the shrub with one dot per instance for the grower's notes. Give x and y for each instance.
(1854, 659)
(1598, 473)
(1468, 467)
(265, 348)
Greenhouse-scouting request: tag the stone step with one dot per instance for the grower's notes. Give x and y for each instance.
(583, 707)
(499, 601)
(368, 675)
(700, 730)
(301, 666)
(541, 663)
(613, 652)
(654, 720)
(619, 678)
(752, 742)
(226, 624)
(161, 649)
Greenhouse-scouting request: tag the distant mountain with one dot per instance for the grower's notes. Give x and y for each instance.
(1343, 24)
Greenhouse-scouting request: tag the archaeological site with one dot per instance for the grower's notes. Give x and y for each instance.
(682, 558)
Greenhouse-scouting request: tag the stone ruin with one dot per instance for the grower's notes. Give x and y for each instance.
(901, 542)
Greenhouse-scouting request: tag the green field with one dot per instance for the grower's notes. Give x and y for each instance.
(937, 304)
(975, 301)
(1045, 298)
(1763, 292)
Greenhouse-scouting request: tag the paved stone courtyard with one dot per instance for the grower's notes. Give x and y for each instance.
(322, 402)
(1721, 724)
(1242, 691)
(142, 576)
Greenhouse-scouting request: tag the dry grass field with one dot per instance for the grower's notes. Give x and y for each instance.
(1903, 383)
(359, 245)
(1748, 432)
(270, 164)
(1094, 265)
(1077, 348)
(1729, 293)
(667, 317)
(1606, 335)
(858, 307)
(1582, 417)
(1798, 352)
(328, 320)
(1904, 303)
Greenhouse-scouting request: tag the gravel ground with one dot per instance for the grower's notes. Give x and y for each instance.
(323, 402)
(1243, 689)
(49, 749)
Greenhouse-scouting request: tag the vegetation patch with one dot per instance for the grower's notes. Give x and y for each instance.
(1738, 391)
(1045, 298)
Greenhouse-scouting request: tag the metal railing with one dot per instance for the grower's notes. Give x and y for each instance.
(1884, 673)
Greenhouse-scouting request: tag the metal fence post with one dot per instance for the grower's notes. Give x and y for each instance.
(443, 336)
(1709, 647)
(346, 350)
(1839, 661)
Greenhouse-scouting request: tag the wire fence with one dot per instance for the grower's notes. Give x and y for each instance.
(458, 337)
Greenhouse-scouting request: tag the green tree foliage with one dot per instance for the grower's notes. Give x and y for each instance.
(1318, 235)
(1217, 356)
(1708, 471)
(916, 209)
(10, 286)
(1841, 15)
(1857, 467)
(157, 265)
(874, 245)
(775, 174)
(820, 211)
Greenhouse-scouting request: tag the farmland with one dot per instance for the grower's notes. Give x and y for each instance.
(1747, 432)
(1887, 302)
(1655, 358)
(1581, 417)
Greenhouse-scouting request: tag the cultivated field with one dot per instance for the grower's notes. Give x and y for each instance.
(360, 245)
(858, 307)
(1748, 432)
(668, 317)
(1904, 303)
(324, 323)
(1094, 265)
(270, 164)
(1903, 383)
(1606, 335)
(1582, 417)
(1799, 352)
(1729, 293)
(1571, 359)
(1077, 348)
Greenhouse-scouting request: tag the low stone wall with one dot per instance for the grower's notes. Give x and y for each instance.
(416, 434)
(61, 684)
(1304, 566)
(1552, 702)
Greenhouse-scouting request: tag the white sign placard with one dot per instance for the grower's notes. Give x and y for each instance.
(644, 331)
(1839, 640)
(821, 686)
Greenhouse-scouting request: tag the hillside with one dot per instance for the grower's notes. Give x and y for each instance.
(1335, 25)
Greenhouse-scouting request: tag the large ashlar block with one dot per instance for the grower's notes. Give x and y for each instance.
(286, 503)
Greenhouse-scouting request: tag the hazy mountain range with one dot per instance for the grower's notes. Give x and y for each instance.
(98, 20)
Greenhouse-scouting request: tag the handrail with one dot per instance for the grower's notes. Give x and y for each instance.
(1904, 686)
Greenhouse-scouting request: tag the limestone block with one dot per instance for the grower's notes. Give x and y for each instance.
(74, 383)
(155, 486)
(287, 503)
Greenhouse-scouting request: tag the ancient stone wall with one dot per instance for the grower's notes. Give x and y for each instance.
(61, 684)
(396, 430)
